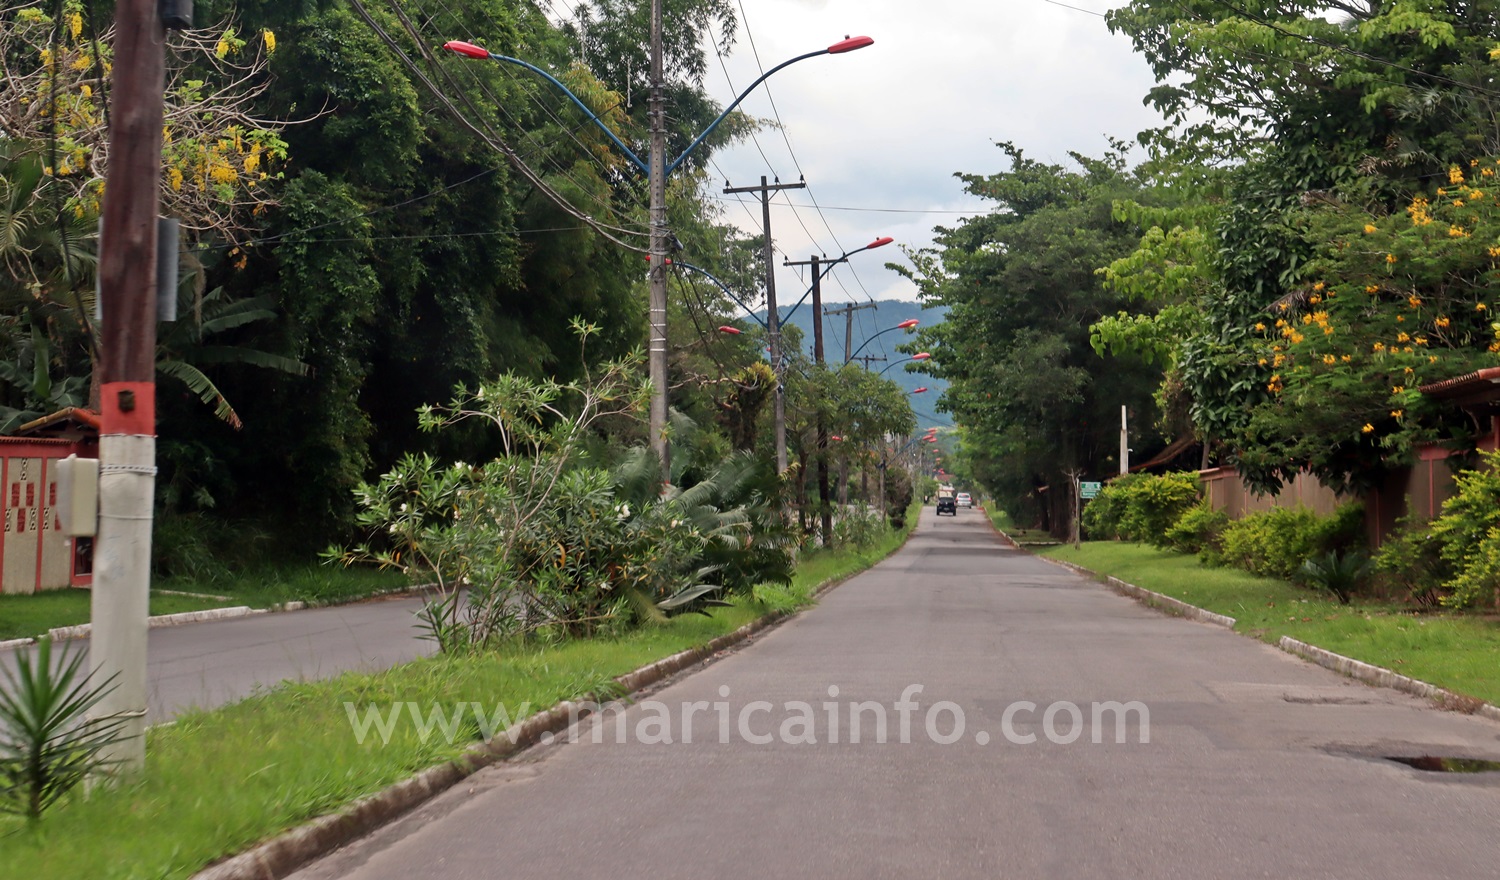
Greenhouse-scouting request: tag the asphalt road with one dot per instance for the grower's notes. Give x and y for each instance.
(207, 664)
(1258, 764)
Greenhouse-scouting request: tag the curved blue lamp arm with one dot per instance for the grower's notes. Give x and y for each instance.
(870, 340)
(721, 286)
(593, 117)
(730, 109)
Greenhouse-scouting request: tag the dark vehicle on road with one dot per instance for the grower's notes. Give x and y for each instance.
(946, 502)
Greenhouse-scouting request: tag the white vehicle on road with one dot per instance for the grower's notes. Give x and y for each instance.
(964, 500)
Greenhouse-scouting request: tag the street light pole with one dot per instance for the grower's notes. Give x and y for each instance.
(657, 168)
(825, 507)
(657, 348)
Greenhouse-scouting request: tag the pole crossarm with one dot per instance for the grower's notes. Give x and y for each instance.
(828, 267)
(722, 286)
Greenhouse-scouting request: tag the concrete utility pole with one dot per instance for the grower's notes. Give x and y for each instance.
(773, 326)
(1124, 441)
(657, 171)
(127, 367)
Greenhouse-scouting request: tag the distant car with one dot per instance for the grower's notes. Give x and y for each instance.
(945, 504)
(964, 500)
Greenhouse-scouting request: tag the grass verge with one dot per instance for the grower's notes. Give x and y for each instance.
(220, 781)
(1004, 523)
(1455, 651)
(32, 615)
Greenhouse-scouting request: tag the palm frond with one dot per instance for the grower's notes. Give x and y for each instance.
(202, 386)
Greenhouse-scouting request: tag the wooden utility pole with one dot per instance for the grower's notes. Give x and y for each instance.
(772, 324)
(127, 367)
(848, 312)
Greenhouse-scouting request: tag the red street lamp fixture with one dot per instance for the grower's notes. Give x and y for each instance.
(732, 331)
(922, 390)
(836, 438)
(921, 356)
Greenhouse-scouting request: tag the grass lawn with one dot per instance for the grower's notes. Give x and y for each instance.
(222, 780)
(32, 615)
(1456, 651)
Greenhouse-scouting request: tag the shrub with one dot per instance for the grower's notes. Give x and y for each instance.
(1468, 534)
(858, 526)
(1336, 573)
(1276, 542)
(1197, 530)
(1411, 560)
(1102, 513)
(1140, 507)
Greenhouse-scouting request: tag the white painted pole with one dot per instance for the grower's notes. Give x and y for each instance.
(1124, 442)
(122, 575)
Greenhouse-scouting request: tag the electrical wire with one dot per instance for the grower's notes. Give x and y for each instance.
(493, 142)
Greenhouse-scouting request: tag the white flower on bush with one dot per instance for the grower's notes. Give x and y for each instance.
(624, 511)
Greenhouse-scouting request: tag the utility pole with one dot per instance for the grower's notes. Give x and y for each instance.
(657, 171)
(127, 368)
(825, 506)
(1124, 441)
(868, 359)
(848, 312)
(773, 326)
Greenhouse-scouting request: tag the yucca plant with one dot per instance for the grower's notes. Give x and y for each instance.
(48, 745)
(1339, 574)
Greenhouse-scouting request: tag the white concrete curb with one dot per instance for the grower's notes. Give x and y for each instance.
(1150, 597)
(16, 643)
(1382, 677)
(82, 630)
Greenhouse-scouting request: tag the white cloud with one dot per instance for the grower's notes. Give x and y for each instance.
(888, 126)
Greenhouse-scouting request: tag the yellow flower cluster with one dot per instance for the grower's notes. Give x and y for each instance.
(1455, 175)
(1442, 322)
(1418, 212)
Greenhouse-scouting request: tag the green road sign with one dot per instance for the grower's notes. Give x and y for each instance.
(1089, 490)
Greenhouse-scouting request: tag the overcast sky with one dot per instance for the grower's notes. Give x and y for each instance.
(884, 129)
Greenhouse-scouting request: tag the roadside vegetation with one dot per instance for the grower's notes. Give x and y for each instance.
(1460, 652)
(222, 780)
(1422, 606)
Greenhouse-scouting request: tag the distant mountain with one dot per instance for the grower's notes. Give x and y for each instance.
(866, 323)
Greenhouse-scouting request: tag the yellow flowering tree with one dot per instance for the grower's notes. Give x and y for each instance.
(1391, 300)
(218, 155)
